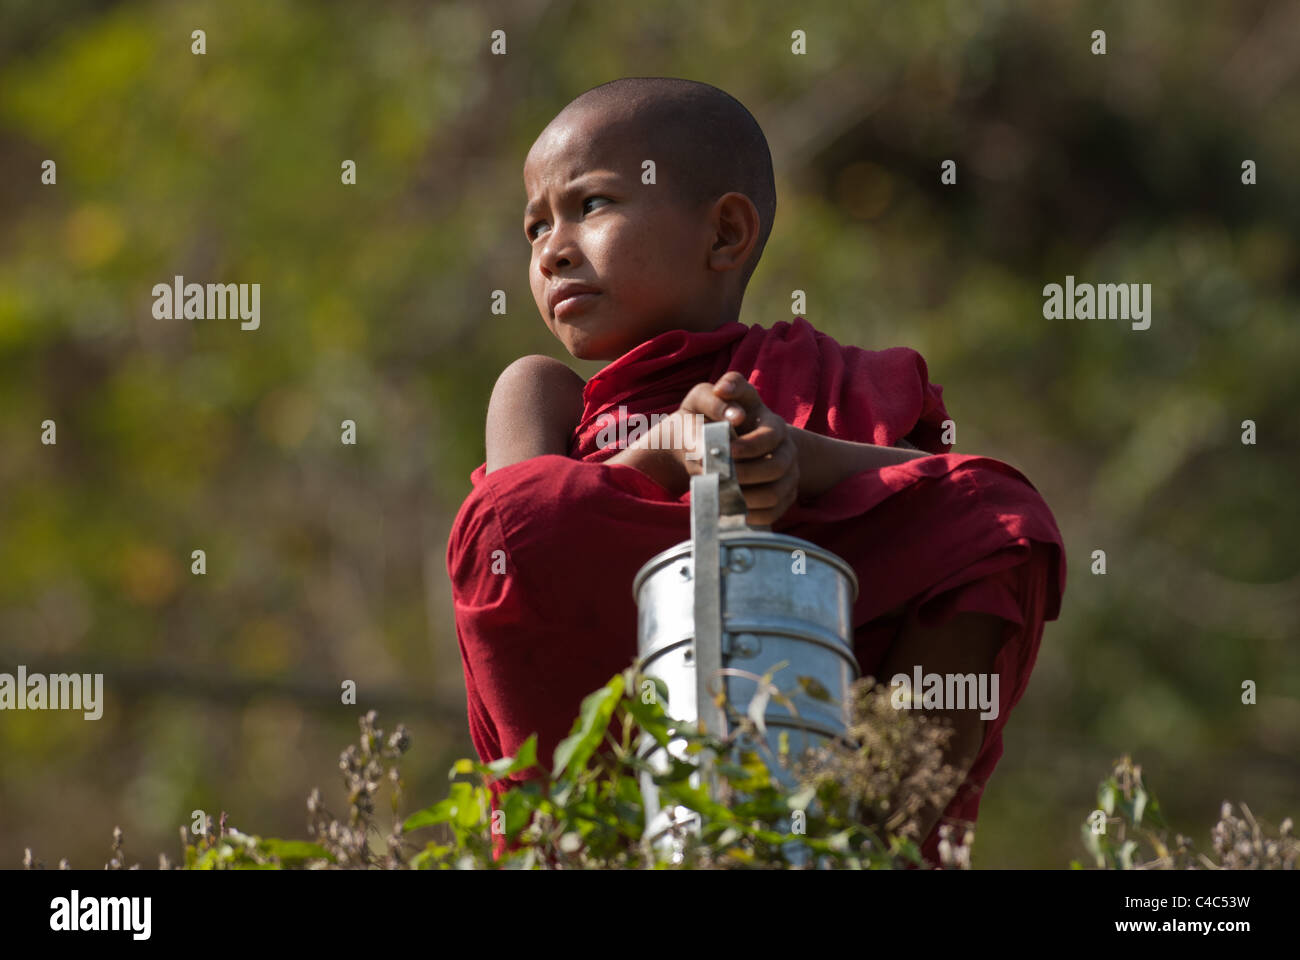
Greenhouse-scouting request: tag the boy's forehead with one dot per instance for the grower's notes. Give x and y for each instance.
(572, 145)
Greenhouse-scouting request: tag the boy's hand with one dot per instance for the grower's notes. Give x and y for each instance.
(764, 456)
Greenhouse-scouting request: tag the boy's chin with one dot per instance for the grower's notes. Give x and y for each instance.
(584, 348)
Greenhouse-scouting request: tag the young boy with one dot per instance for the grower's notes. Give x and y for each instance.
(649, 202)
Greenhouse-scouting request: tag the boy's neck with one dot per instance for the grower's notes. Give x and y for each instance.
(708, 326)
(697, 329)
(718, 318)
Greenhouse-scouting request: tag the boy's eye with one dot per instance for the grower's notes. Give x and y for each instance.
(532, 227)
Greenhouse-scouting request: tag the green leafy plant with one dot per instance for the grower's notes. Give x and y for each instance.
(851, 805)
(1136, 837)
(854, 806)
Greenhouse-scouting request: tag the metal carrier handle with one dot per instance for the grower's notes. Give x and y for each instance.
(717, 504)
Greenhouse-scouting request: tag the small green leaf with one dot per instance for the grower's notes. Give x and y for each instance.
(628, 791)
(519, 807)
(471, 803)
(650, 718)
(292, 851)
(573, 752)
(696, 799)
(661, 690)
(441, 812)
(814, 689)
(525, 758)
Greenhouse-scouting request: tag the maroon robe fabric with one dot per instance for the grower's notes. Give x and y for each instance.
(928, 538)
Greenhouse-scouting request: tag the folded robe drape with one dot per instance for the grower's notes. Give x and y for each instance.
(543, 552)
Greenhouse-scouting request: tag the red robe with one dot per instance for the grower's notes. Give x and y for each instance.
(929, 537)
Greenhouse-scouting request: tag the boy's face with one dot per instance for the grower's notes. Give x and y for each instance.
(591, 220)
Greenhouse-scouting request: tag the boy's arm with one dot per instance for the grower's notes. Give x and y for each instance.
(825, 461)
(776, 463)
(534, 410)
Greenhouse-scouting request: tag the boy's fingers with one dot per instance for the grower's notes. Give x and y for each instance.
(738, 391)
(733, 386)
(761, 470)
(730, 380)
(758, 442)
(703, 400)
(767, 503)
(764, 496)
(764, 509)
(732, 398)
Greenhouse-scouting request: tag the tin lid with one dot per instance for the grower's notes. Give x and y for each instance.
(745, 538)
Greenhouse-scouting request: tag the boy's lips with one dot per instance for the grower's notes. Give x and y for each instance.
(574, 303)
(576, 292)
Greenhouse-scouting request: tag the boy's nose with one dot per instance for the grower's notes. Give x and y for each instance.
(560, 260)
(559, 250)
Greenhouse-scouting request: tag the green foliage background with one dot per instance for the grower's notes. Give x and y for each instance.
(326, 562)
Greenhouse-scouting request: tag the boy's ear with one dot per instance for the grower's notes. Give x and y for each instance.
(736, 227)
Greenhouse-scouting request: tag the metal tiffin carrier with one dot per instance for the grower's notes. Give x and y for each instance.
(733, 601)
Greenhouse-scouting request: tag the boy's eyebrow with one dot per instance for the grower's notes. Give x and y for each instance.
(573, 185)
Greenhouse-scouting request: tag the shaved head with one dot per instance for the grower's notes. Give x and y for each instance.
(703, 141)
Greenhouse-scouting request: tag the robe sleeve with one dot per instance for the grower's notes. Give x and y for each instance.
(877, 396)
